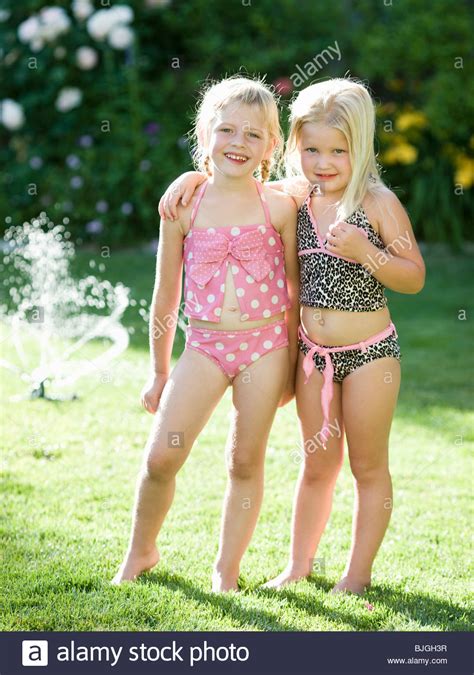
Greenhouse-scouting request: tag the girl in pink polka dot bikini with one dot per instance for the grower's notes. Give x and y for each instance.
(237, 240)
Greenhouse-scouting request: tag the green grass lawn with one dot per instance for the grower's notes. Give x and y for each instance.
(69, 471)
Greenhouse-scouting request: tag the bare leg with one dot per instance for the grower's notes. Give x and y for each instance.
(184, 409)
(319, 470)
(256, 392)
(369, 397)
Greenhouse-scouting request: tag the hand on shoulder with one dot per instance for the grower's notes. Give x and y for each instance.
(298, 188)
(182, 222)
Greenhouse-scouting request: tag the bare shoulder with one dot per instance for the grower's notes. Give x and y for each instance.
(282, 207)
(184, 214)
(382, 204)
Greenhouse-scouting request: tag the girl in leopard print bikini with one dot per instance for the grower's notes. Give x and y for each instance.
(354, 239)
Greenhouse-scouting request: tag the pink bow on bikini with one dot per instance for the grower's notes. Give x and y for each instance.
(211, 249)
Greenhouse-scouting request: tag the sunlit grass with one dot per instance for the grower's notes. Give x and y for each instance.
(69, 471)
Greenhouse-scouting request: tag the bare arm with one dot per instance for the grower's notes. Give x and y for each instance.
(400, 265)
(288, 236)
(287, 231)
(296, 187)
(166, 296)
(180, 190)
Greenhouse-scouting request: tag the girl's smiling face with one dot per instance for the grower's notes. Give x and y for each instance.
(325, 157)
(239, 140)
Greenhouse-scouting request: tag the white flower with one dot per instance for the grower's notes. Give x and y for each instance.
(102, 23)
(68, 98)
(28, 29)
(99, 24)
(122, 13)
(82, 9)
(44, 27)
(11, 114)
(120, 37)
(37, 44)
(86, 58)
(54, 22)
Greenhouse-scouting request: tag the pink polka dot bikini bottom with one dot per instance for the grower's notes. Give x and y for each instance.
(234, 351)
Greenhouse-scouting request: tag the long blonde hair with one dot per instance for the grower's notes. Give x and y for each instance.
(346, 105)
(235, 89)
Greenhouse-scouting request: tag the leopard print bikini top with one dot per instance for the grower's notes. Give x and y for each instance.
(330, 280)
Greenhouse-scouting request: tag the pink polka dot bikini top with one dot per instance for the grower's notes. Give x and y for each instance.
(255, 255)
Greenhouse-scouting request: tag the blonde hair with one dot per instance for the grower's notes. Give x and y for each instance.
(235, 89)
(344, 104)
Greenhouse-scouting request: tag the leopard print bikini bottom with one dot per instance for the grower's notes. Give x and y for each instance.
(346, 362)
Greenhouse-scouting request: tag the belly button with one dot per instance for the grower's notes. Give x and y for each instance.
(233, 309)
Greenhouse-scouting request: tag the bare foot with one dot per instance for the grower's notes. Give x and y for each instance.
(288, 576)
(221, 583)
(134, 565)
(348, 585)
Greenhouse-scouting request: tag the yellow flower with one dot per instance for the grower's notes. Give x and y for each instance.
(464, 173)
(411, 119)
(401, 154)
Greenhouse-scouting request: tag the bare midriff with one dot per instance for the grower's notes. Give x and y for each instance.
(334, 327)
(230, 317)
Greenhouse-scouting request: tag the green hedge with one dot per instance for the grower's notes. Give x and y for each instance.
(416, 57)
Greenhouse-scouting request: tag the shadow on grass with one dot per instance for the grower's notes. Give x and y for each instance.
(228, 603)
(445, 615)
(424, 609)
(429, 612)
(416, 606)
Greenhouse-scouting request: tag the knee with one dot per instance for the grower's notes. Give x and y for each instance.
(160, 466)
(321, 469)
(243, 467)
(368, 472)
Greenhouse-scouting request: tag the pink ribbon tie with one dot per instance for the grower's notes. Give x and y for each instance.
(308, 364)
(327, 390)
